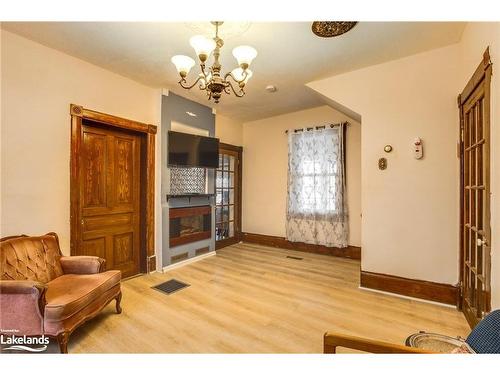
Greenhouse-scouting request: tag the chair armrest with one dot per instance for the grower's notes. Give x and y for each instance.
(334, 340)
(21, 287)
(82, 265)
(22, 306)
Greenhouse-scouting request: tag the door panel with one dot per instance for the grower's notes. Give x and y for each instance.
(94, 167)
(228, 196)
(123, 248)
(124, 174)
(95, 247)
(475, 205)
(97, 223)
(110, 195)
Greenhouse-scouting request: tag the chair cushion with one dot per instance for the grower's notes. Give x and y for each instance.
(485, 337)
(70, 293)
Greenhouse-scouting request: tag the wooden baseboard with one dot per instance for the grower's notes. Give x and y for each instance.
(228, 241)
(352, 252)
(443, 293)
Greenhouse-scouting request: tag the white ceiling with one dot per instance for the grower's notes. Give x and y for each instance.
(290, 55)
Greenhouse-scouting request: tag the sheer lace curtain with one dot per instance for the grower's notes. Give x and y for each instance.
(317, 209)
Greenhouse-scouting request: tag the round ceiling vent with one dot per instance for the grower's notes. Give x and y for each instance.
(271, 88)
(328, 29)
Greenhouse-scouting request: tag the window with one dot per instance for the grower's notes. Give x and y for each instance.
(316, 186)
(317, 211)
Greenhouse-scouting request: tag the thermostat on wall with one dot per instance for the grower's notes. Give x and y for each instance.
(418, 150)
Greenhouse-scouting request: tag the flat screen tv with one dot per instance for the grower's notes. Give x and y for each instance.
(188, 150)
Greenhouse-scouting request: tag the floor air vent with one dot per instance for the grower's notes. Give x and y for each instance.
(296, 258)
(170, 286)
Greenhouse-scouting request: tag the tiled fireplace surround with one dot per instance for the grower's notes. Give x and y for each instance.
(190, 218)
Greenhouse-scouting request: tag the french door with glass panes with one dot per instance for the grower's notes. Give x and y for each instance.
(475, 257)
(228, 196)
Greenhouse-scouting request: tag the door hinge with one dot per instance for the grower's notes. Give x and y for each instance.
(460, 142)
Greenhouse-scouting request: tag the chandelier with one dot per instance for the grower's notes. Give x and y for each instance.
(211, 79)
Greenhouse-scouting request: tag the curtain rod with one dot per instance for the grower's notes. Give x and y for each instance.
(318, 127)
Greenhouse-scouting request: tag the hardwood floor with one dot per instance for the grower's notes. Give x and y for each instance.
(252, 299)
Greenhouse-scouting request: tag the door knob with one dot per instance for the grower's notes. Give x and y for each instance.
(481, 242)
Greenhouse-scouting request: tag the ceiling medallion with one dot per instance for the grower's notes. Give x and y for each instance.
(211, 80)
(328, 29)
(228, 31)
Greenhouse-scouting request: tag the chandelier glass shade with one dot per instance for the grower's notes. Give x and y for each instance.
(183, 64)
(202, 46)
(242, 76)
(211, 79)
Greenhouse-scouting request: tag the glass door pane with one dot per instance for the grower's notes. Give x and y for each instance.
(227, 192)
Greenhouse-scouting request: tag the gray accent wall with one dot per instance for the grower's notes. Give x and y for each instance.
(175, 108)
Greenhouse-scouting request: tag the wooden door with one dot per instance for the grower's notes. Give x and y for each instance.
(228, 196)
(110, 199)
(475, 196)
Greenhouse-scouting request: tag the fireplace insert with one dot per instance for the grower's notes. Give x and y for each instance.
(190, 224)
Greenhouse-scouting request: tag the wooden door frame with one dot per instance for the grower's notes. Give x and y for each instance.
(147, 210)
(482, 72)
(237, 229)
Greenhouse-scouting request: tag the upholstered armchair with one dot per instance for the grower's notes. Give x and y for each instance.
(331, 341)
(43, 292)
(483, 339)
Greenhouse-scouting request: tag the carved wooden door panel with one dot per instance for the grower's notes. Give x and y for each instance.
(110, 197)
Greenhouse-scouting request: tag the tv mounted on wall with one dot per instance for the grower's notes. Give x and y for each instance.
(188, 150)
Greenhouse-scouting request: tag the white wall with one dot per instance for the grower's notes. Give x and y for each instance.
(476, 37)
(410, 210)
(265, 158)
(228, 130)
(38, 85)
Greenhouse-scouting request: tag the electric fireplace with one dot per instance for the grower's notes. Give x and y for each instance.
(190, 224)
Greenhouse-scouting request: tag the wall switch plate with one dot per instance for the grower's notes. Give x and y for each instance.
(382, 164)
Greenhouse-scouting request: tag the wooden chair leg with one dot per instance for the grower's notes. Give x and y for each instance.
(62, 340)
(329, 349)
(118, 301)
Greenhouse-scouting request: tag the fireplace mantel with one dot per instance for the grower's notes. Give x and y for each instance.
(189, 196)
